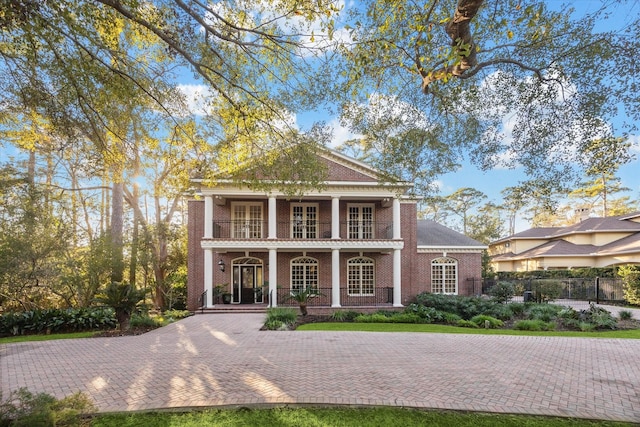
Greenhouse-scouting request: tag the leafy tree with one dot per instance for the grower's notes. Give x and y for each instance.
(504, 83)
(461, 203)
(486, 225)
(434, 208)
(602, 159)
(514, 199)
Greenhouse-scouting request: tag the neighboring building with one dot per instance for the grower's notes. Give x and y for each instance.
(357, 241)
(592, 242)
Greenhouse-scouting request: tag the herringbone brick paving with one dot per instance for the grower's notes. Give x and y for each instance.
(223, 359)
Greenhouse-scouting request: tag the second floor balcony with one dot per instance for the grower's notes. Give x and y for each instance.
(302, 230)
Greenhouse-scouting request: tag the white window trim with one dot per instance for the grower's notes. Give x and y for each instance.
(372, 263)
(304, 219)
(310, 261)
(373, 219)
(248, 206)
(441, 265)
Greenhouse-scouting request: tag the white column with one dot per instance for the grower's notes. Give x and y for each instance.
(335, 218)
(273, 278)
(272, 218)
(335, 278)
(397, 278)
(208, 217)
(208, 276)
(396, 218)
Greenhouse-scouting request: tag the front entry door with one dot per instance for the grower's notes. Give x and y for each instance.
(247, 281)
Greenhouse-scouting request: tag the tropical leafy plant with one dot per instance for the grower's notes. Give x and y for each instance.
(123, 298)
(302, 296)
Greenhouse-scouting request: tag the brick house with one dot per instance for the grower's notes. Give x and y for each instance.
(357, 241)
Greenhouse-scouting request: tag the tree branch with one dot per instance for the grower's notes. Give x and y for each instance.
(459, 31)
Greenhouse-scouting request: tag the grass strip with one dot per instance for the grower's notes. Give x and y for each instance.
(446, 329)
(343, 417)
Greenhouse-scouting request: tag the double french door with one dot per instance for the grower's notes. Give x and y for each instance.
(247, 281)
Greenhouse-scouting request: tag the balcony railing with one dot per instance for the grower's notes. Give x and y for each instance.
(306, 230)
(382, 296)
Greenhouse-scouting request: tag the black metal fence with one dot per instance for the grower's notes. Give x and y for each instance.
(599, 290)
(380, 297)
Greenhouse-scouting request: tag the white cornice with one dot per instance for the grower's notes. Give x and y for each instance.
(454, 249)
(284, 245)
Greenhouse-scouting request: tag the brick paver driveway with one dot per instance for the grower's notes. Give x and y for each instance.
(223, 359)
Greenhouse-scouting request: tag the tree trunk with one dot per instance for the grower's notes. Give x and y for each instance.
(117, 227)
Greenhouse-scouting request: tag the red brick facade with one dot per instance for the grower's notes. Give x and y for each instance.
(356, 185)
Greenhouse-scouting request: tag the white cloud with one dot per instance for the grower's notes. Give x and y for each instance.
(196, 98)
(635, 143)
(341, 134)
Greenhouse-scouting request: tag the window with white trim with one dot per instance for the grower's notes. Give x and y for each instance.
(304, 220)
(360, 221)
(246, 220)
(444, 276)
(360, 276)
(304, 273)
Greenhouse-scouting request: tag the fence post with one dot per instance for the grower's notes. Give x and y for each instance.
(597, 290)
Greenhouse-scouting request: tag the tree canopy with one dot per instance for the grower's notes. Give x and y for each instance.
(507, 83)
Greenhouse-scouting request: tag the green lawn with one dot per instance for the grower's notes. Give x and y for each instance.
(24, 338)
(431, 328)
(330, 417)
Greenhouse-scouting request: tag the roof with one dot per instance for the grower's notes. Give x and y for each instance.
(600, 225)
(557, 248)
(610, 224)
(432, 234)
(629, 244)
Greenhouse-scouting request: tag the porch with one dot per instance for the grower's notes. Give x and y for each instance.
(379, 298)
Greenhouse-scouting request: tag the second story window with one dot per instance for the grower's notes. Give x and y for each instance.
(246, 220)
(360, 221)
(304, 221)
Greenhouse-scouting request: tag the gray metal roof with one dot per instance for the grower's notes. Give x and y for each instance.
(430, 233)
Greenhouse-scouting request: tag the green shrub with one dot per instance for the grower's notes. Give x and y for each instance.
(463, 306)
(427, 314)
(630, 275)
(534, 325)
(25, 409)
(123, 298)
(502, 292)
(56, 320)
(544, 312)
(283, 314)
(344, 315)
(625, 315)
(482, 320)
(172, 315)
(144, 320)
(568, 313)
(451, 318)
(466, 324)
(276, 325)
(516, 308)
(372, 318)
(501, 311)
(407, 318)
(586, 326)
(598, 317)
